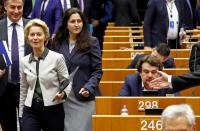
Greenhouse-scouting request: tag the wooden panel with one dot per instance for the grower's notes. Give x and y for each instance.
(137, 105)
(123, 32)
(112, 88)
(122, 63)
(120, 74)
(130, 123)
(120, 45)
(124, 27)
(176, 53)
(129, 45)
(124, 38)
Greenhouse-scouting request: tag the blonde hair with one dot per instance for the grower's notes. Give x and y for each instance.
(39, 23)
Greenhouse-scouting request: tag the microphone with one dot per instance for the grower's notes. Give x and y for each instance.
(66, 82)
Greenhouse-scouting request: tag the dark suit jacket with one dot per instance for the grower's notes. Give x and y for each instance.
(169, 63)
(125, 12)
(88, 10)
(133, 87)
(156, 22)
(52, 15)
(73, 3)
(90, 67)
(183, 82)
(27, 8)
(197, 15)
(188, 16)
(4, 37)
(194, 62)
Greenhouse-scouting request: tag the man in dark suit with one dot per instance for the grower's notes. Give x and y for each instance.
(135, 84)
(27, 8)
(197, 15)
(162, 52)
(9, 91)
(102, 14)
(194, 61)
(189, 10)
(66, 5)
(86, 6)
(126, 13)
(157, 29)
(51, 14)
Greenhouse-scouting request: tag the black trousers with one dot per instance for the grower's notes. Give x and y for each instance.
(174, 44)
(9, 105)
(37, 117)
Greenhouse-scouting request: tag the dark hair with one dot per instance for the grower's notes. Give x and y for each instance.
(152, 60)
(83, 39)
(163, 49)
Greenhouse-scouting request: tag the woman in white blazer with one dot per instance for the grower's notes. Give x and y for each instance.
(41, 74)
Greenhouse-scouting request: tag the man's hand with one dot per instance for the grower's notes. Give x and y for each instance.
(95, 23)
(2, 72)
(160, 82)
(84, 92)
(147, 48)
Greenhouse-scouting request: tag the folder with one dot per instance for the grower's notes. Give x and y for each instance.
(4, 53)
(66, 82)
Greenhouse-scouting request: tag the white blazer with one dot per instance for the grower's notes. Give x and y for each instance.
(52, 71)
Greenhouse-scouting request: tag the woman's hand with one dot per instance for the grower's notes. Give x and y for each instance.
(59, 96)
(84, 92)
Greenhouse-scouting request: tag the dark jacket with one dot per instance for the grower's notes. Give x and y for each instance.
(133, 87)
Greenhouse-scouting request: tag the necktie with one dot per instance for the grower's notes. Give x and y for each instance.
(42, 9)
(81, 5)
(188, 2)
(65, 5)
(14, 56)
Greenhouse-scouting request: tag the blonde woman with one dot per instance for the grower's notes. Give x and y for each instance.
(41, 73)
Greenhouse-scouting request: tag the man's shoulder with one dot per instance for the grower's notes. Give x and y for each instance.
(138, 56)
(25, 21)
(3, 21)
(133, 77)
(170, 59)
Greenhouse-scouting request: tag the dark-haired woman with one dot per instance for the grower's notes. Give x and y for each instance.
(79, 49)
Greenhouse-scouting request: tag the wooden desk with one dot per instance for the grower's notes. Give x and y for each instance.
(120, 45)
(139, 38)
(120, 74)
(123, 32)
(112, 88)
(192, 32)
(137, 105)
(122, 63)
(124, 27)
(130, 123)
(129, 45)
(176, 53)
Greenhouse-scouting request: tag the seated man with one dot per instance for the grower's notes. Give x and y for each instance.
(162, 52)
(178, 118)
(147, 67)
(194, 62)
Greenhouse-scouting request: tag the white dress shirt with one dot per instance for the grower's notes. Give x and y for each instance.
(21, 41)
